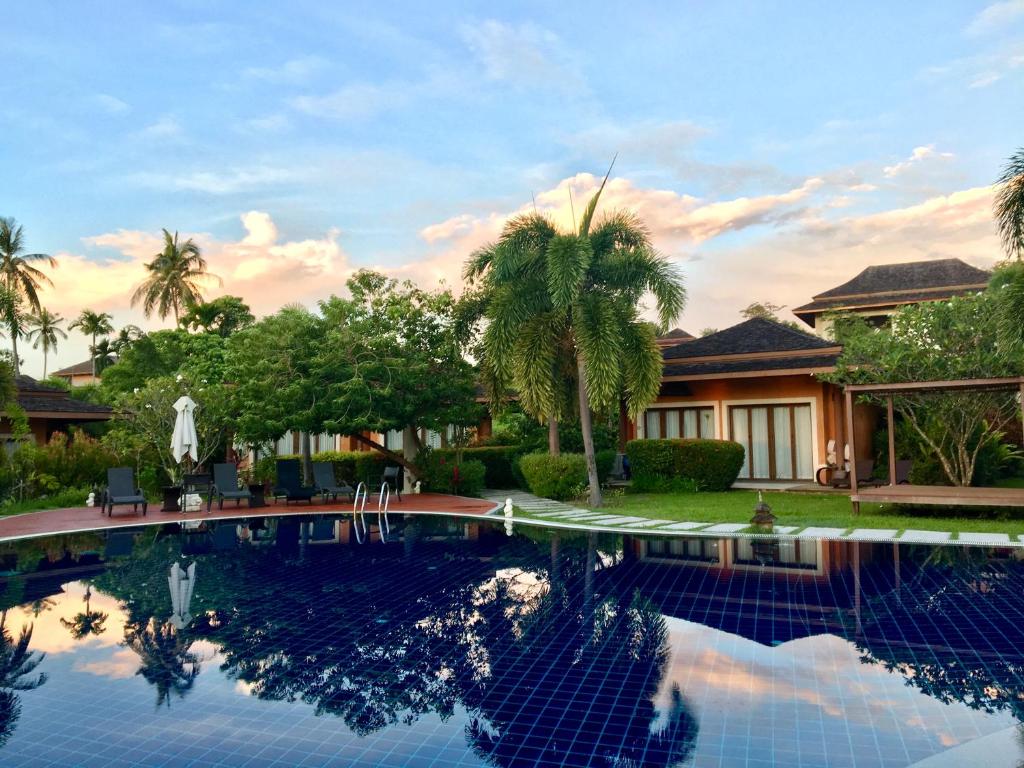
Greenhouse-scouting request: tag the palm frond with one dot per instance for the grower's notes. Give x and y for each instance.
(598, 330)
(568, 258)
(588, 213)
(641, 367)
(1009, 206)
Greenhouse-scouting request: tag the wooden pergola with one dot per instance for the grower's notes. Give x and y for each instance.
(926, 494)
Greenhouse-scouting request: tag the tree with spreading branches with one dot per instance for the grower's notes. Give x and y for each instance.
(174, 279)
(575, 297)
(44, 330)
(93, 324)
(20, 275)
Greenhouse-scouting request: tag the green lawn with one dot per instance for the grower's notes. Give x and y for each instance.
(59, 500)
(805, 509)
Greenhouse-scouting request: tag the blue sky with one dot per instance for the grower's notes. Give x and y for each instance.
(773, 149)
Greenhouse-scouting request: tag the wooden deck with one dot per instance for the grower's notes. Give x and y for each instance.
(77, 519)
(946, 496)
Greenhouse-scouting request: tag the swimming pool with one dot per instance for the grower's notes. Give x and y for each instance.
(454, 644)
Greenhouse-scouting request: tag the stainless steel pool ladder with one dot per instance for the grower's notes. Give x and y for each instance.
(359, 509)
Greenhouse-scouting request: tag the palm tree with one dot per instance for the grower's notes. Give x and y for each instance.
(126, 337)
(44, 330)
(1008, 281)
(93, 324)
(1009, 205)
(103, 355)
(174, 278)
(17, 662)
(576, 297)
(86, 622)
(20, 276)
(167, 661)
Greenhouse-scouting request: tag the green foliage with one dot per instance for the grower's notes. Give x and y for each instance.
(939, 341)
(513, 427)
(1007, 288)
(352, 467)
(680, 465)
(441, 472)
(1009, 205)
(174, 278)
(166, 353)
(222, 316)
(561, 477)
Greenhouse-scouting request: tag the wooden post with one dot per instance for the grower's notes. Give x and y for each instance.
(853, 452)
(892, 442)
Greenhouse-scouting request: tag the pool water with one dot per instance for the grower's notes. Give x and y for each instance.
(454, 644)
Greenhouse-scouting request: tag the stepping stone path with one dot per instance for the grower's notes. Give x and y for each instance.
(558, 512)
(984, 538)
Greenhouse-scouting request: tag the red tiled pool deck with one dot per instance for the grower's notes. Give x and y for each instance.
(76, 519)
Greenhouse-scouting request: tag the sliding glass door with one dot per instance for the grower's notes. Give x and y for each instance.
(777, 440)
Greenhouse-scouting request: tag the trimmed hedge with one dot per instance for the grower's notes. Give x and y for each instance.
(498, 460)
(704, 465)
(564, 476)
(442, 475)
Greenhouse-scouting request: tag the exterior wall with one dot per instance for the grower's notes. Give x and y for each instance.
(78, 379)
(767, 390)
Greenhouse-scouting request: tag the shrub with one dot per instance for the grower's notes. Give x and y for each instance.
(564, 476)
(442, 474)
(351, 466)
(663, 465)
(498, 460)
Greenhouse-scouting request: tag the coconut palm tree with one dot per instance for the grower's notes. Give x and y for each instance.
(19, 275)
(86, 622)
(93, 324)
(104, 353)
(167, 662)
(17, 663)
(174, 279)
(44, 328)
(576, 297)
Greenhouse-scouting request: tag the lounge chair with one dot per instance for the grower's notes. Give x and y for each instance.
(289, 483)
(903, 469)
(121, 489)
(225, 486)
(865, 476)
(225, 537)
(393, 477)
(326, 484)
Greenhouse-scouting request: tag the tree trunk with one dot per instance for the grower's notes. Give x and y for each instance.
(44, 362)
(411, 447)
(554, 444)
(587, 428)
(307, 458)
(395, 457)
(92, 354)
(14, 347)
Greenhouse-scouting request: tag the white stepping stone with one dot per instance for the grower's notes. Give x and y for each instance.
(872, 534)
(924, 537)
(683, 526)
(821, 533)
(559, 513)
(784, 529)
(726, 528)
(646, 524)
(984, 538)
(613, 520)
(578, 515)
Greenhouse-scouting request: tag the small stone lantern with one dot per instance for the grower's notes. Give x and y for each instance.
(763, 518)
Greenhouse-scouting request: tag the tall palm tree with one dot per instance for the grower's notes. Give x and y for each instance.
(103, 355)
(174, 279)
(93, 324)
(17, 664)
(576, 297)
(167, 661)
(1009, 205)
(87, 622)
(19, 275)
(44, 328)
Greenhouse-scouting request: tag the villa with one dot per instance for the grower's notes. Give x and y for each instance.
(49, 410)
(756, 382)
(78, 375)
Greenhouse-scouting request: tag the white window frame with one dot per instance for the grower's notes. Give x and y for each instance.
(641, 427)
(811, 401)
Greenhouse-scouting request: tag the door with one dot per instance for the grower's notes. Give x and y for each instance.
(777, 441)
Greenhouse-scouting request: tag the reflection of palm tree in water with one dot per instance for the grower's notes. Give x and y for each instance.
(86, 622)
(17, 663)
(575, 683)
(167, 661)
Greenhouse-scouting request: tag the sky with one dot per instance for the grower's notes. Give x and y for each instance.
(774, 150)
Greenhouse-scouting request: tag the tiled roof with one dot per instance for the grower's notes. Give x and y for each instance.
(892, 284)
(753, 336)
(78, 369)
(750, 365)
(34, 397)
(673, 337)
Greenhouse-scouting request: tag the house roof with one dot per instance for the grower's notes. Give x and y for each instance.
(755, 345)
(673, 337)
(78, 369)
(42, 401)
(887, 285)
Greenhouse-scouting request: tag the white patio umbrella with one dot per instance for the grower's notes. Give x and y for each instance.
(181, 584)
(184, 441)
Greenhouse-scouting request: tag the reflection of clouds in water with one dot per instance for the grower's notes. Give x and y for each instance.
(52, 637)
(726, 675)
(121, 664)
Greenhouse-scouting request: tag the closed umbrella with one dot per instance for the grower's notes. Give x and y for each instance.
(184, 441)
(182, 584)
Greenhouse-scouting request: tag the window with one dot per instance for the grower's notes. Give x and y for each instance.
(780, 553)
(778, 441)
(688, 550)
(679, 422)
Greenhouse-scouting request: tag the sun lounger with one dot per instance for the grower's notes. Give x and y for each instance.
(121, 489)
(225, 486)
(326, 484)
(289, 483)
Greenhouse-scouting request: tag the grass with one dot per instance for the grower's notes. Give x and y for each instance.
(807, 509)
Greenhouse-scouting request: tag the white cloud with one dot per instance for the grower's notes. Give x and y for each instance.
(523, 55)
(919, 155)
(996, 17)
(357, 101)
(167, 127)
(292, 72)
(222, 182)
(112, 104)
